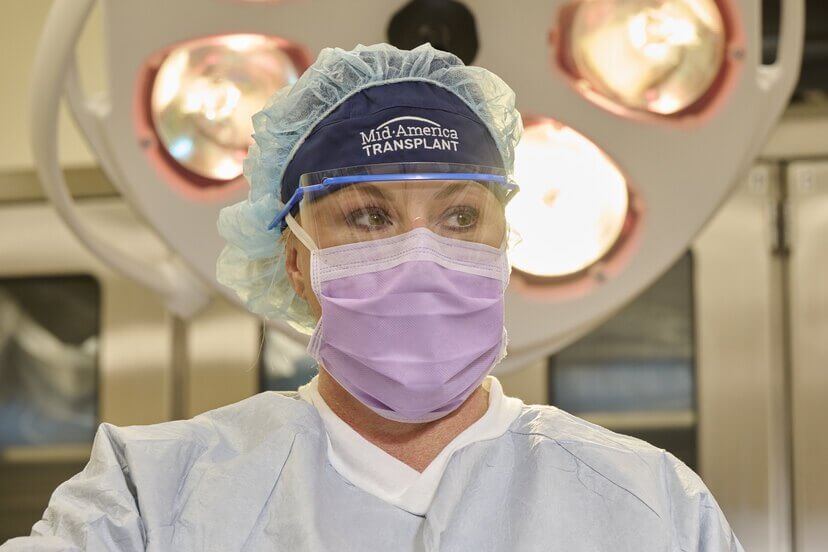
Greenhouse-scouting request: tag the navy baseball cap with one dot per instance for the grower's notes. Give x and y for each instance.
(411, 121)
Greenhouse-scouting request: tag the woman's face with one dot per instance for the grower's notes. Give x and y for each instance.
(463, 210)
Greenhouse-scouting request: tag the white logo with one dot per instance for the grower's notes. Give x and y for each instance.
(399, 134)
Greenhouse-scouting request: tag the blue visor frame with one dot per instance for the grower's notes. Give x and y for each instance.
(297, 196)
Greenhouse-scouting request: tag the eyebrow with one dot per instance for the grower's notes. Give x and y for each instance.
(449, 190)
(370, 189)
(452, 189)
(374, 190)
(379, 193)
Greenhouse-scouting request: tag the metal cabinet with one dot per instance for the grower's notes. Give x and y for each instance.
(807, 205)
(744, 435)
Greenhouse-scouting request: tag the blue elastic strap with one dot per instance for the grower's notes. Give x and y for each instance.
(339, 180)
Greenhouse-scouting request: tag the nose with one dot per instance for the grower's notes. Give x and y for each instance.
(418, 221)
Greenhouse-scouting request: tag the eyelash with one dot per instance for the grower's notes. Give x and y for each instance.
(353, 215)
(462, 209)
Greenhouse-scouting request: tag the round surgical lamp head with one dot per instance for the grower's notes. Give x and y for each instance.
(205, 92)
(572, 206)
(669, 134)
(661, 57)
(197, 99)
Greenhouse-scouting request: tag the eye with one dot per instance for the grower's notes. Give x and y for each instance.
(369, 218)
(460, 218)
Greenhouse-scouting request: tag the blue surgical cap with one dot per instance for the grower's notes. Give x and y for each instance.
(315, 124)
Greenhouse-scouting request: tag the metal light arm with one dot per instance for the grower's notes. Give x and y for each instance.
(53, 67)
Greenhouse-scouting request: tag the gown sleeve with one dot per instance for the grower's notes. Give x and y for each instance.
(698, 523)
(94, 510)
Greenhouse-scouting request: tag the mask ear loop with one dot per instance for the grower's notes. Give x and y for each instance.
(300, 233)
(304, 237)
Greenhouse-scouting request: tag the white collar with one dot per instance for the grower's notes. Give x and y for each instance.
(376, 472)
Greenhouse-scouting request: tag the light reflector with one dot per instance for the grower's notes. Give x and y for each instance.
(572, 204)
(659, 56)
(204, 94)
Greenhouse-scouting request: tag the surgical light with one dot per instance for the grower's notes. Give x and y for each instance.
(679, 162)
(658, 56)
(204, 94)
(572, 205)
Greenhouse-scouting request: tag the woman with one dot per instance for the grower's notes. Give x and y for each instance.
(376, 222)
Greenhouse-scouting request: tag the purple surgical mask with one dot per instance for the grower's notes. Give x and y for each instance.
(411, 325)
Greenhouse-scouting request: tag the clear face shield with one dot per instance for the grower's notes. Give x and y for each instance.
(363, 203)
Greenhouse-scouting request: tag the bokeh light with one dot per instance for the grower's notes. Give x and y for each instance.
(205, 93)
(659, 56)
(572, 204)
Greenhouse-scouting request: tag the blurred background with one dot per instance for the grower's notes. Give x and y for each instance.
(669, 277)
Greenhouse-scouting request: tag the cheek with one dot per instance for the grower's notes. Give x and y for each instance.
(493, 233)
(303, 263)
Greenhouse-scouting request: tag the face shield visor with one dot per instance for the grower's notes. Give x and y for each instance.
(371, 202)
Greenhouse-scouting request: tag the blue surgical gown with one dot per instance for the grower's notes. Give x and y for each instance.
(255, 475)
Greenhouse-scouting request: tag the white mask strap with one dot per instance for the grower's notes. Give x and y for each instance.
(300, 233)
